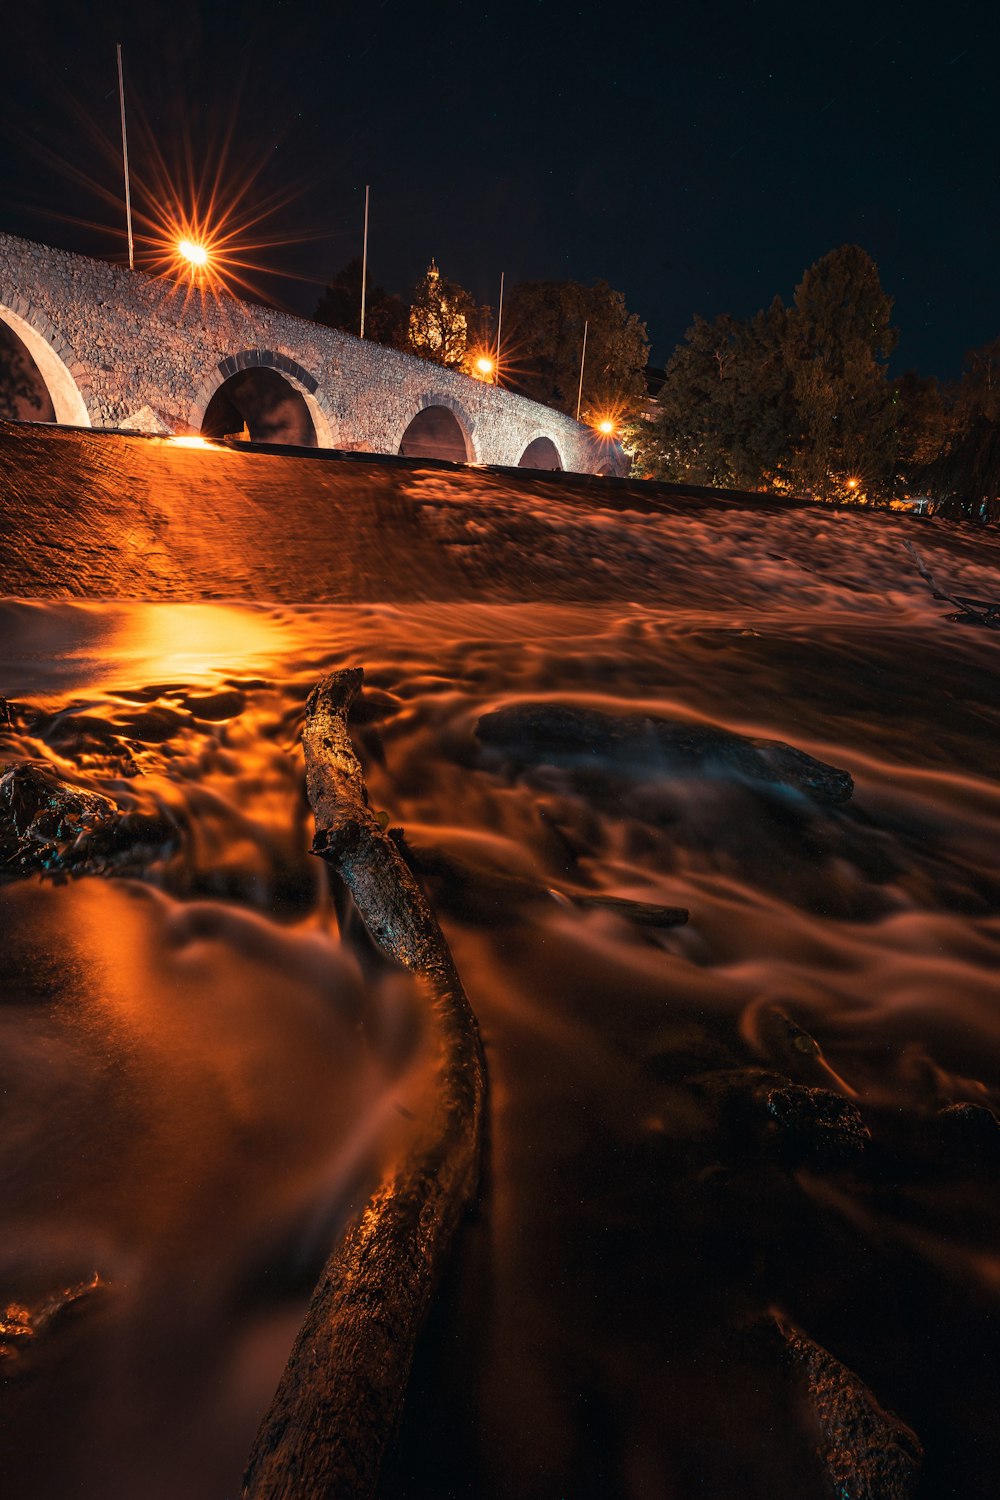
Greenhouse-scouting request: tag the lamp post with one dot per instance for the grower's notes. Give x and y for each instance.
(364, 265)
(128, 195)
(583, 357)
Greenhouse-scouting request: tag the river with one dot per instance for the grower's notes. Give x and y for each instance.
(197, 1063)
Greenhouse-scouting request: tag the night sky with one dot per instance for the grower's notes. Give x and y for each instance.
(698, 157)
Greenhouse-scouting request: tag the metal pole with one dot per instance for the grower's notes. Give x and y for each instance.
(128, 195)
(499, 327)
(583, 356)
(364, 266)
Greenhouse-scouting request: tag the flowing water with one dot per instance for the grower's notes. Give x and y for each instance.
(198, 1065)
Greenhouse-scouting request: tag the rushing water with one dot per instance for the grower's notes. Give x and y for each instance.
(196, 1069)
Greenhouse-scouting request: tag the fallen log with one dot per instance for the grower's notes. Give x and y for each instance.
(339, 1399)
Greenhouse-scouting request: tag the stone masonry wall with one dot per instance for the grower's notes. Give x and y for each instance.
(149, 353)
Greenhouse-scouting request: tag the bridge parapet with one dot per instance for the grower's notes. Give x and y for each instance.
(119, 349)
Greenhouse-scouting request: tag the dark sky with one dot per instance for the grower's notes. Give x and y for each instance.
(698, 157)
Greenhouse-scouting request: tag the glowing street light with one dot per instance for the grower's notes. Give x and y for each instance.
(196, 255)
(606, 427)
(485, 366)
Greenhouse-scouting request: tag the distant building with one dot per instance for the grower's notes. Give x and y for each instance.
(437, 329)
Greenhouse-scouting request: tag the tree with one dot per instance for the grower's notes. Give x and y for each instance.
(965, 474)
(725, 415)
(979, 389)
(925, 421)
(543, 342)
(442, 319)
(794, 397)
(837, 339)
(340, 307)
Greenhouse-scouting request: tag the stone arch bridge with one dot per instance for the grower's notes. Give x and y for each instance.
(112, 348)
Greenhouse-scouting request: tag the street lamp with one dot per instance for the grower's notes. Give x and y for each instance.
(196, 255)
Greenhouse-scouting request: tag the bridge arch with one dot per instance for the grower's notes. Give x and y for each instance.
(440, 427)
(541, 453)
(51, 356)
(294, 378)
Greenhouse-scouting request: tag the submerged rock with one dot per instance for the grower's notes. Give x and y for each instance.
(50, 824)
(560, 732)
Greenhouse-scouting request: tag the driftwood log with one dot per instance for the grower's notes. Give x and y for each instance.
(339, 1399)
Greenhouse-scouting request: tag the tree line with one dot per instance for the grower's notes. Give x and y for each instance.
(800, 399)
(797, 398)
(542, 336)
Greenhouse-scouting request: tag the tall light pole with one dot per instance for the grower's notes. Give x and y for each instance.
(128, 195)
(583, 357)
(364, 266)
(499, 327)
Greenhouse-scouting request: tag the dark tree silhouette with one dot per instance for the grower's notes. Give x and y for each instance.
(340, 307)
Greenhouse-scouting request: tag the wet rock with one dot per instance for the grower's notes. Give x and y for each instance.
(21, 1324)
(866, 1452)
(40, 812)
(555, 732)
(760, 1116)
(814, 1127)
(966, 1134)
(47, 824)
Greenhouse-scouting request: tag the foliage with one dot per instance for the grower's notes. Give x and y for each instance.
(838, 339)
(965, 473)
(442, 320)
(724, 410)
(924, 421)
(979, 392)
(340, 307)
(966, 478)
(794, 397)
(543, 342)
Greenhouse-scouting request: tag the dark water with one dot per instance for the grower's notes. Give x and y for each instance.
(197, 1068)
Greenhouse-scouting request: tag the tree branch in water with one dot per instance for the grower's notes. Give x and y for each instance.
(340, 1397)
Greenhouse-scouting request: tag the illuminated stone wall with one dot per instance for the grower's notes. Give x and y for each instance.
(119, 349)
